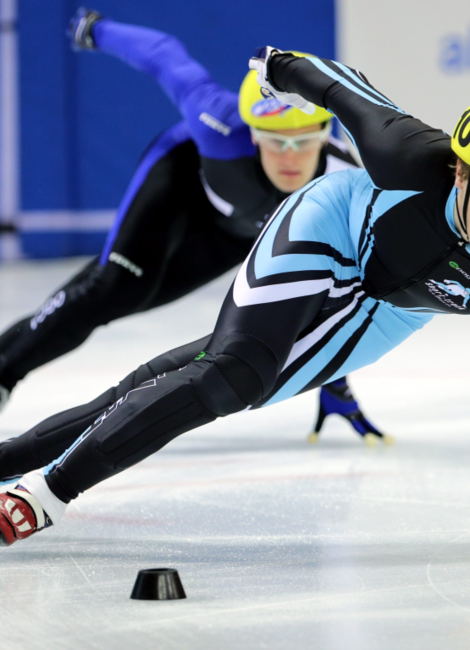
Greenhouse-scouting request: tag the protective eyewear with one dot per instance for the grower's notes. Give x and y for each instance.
(300, 143)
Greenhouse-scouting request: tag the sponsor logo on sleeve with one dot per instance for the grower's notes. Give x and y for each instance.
(119, 259)
(214, 123)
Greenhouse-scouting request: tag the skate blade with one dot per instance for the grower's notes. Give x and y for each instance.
(313, 438)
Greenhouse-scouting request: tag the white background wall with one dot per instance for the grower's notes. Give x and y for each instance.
(417, 52)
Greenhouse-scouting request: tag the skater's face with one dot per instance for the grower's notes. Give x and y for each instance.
(289, 163)
(462, 185)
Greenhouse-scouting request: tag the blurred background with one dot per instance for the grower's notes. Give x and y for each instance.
(72, 126)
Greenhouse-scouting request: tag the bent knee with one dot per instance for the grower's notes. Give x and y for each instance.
(237, 378)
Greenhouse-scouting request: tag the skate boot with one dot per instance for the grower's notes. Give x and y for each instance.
(21, 515)
(336, 399)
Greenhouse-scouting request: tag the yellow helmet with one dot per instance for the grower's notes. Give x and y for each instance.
(460, 142)
(269, 113)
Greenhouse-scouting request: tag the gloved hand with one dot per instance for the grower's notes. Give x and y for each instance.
(80, 29)
(337, 398)
(260, 63)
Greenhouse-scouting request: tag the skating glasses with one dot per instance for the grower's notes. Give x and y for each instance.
(300, 143)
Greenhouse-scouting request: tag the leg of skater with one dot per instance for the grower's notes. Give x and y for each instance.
(148, 229)
(266, 347)
(50, 438)
(41, 500)
(204, 253)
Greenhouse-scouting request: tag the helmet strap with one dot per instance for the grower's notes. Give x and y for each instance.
(465, 204)
(462, 221)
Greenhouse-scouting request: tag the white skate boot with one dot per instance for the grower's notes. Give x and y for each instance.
(21, 515)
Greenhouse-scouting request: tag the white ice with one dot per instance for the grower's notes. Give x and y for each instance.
(279, 544)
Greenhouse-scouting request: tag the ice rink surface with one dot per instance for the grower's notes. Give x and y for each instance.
(279, 544)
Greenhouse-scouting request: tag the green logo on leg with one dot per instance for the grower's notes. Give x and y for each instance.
(200, 356)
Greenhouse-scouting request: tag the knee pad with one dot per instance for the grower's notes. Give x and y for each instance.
(255, 354)
(228, 385)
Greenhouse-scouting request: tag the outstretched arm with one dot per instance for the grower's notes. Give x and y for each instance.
(398, 151)
(210, 110)
(160, 55)
(50, 438)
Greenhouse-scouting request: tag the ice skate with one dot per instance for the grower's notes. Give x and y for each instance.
(337, 399)
(21, 515)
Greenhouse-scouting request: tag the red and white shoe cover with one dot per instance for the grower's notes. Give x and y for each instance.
(21, 515)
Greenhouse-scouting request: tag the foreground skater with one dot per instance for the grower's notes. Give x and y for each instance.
(199, 198)
(345, 270)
